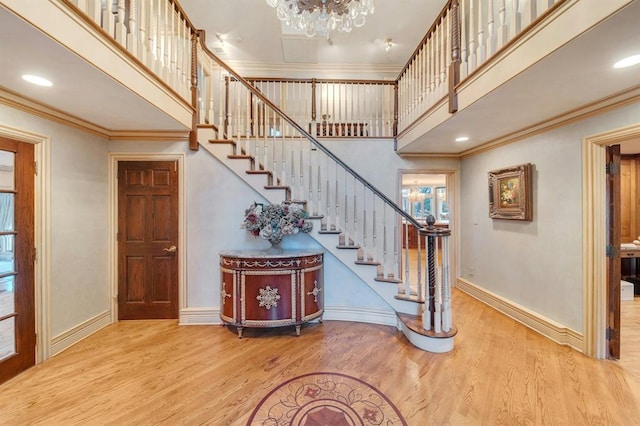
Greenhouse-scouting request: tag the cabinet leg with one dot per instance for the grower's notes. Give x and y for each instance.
(240, 332)
(297, 330)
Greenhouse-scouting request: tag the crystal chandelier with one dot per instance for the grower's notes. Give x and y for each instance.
(320, 17)
(415, 196)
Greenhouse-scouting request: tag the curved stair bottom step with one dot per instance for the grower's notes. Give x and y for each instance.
(427, 340)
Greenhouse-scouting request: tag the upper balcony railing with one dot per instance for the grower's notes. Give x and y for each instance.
(465, 36)
(328, 108)
(156, 32)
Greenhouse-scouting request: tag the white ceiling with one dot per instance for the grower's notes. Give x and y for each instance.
(254, 35)
(257, 44)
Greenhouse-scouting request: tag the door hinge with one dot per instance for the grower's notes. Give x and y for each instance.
(35, 168)
(613, 251)
(609, 332)
(35, 254)
(612, 168)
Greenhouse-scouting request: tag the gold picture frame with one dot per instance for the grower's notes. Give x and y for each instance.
(510, 195)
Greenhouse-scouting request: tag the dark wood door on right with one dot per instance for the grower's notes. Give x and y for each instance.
(147, 240)
(613, 260)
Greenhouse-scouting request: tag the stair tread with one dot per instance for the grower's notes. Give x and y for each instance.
(414, 323)
(240, 156)
(388, 280)
(229, 141)
(347, 247)
(258, 172)
(207, 126)
(330, 231)
(367, 262)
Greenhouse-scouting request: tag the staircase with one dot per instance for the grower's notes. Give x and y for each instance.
(352, 222)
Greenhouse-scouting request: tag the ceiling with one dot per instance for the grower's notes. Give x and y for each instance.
(253, 35)
(257, 44)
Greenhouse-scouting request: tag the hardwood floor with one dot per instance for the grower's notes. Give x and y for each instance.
(159, 373)
(630, 335)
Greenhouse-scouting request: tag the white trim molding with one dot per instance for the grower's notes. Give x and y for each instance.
(42, 234)
(366, 315)
(114, 158)
(211, 316)
(81, 331)
(200, 316)
(545, 326)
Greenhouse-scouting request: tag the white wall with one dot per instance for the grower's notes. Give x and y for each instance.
(536, 264)
(79, 286)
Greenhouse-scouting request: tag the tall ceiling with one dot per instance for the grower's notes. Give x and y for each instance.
(256, 44)
(254, 38)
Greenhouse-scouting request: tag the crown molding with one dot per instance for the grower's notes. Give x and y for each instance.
(41, 110)
(601, 106)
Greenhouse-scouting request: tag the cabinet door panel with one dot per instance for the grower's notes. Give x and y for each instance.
(268, 297)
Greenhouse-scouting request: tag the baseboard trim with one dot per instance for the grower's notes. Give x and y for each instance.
(72, 336)
(211, 316)
(200, 316)
(370, 316)
(545, 326)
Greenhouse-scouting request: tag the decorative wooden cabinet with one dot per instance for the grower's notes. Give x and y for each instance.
(271, 289)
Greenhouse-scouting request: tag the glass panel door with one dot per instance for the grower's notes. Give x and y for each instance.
(17, 301)
(7, 264)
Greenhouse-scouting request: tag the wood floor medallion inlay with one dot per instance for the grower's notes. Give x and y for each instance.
(325, 399)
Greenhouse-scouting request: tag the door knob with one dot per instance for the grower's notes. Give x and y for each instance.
(171, 249)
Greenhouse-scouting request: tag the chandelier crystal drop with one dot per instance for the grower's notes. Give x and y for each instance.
(321, 17)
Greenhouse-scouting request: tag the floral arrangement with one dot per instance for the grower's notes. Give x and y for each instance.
(275, 221)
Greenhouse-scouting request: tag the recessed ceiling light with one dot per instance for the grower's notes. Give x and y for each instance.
(627, 62)
(462, 139)
(34, 79)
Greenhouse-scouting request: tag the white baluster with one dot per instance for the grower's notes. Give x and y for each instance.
(109, 19)
(473, 60)
(447, 321)
(529, 11)
(121, 29)
(491, 35)
(481, 34)
(446, 54)
(92, 8)
(142, 30)
(464, 51)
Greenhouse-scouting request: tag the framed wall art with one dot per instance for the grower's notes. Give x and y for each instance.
(510, 195)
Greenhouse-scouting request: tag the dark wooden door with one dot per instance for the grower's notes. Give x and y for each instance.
(613, 257)
(17, 256)
(147, 239)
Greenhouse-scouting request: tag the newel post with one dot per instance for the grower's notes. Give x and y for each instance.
(437, 315)
(454, 68)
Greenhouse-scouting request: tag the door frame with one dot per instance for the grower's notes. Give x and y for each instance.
(42, 235)
(452, 179)
(594, 227)
(114, 159)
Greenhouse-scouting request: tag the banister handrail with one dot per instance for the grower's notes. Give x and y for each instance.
(295, 125)
(434, 25)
